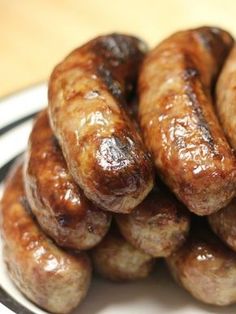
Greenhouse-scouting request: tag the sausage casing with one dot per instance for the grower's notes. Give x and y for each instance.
(226, 97)
(180, 127)
(158, 226)
(59, 205)
(223, 224)
(205, 267)
(53, 279)
(87, 98)
(116, 259)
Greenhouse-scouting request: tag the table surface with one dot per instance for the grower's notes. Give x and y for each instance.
(37, 34)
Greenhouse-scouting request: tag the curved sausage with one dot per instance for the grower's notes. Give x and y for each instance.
(116, 259)
(223, 223)
(178, 120)
(60, 206)
(87, 99)
(53, 279)
(226, 97)
(205, 267)
(158, 226)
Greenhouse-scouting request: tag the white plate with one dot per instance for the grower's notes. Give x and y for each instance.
(155, 295)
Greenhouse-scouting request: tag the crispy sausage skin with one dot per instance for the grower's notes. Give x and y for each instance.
(53, 279)
(87, 99)
(178, 120)
(116, 259)
(223, 224)
(226, 97)
(158, 226)
(60, 206)
(205, 267)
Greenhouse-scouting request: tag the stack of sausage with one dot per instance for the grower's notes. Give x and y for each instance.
(124, 129)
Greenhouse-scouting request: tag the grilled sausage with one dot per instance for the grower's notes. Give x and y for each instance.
(223, 224)
(53, 279)
(158, 226)
(87, 99)
(226, 97)
(178, 120)
(60, 206)
(115, 259)
(205, 267)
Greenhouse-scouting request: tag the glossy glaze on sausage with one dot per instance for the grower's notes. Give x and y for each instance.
(205, 267)
(116, 259)
(177, 117)
(158, 226)
(51, 278)
(58, 203)
(226, 97)
(88, 92)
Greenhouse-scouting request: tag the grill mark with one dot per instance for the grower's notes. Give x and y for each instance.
(214, 43)
(192, 83)
(113, 85)
(114, 49)
(202, 123)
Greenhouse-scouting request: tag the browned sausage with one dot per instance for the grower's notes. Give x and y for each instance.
(59, 205)
(158, 226)
(223, 224)
(87, 98)
(116, 259)
(178, 120)
(53, 279)
(205, 267)
(226, 97)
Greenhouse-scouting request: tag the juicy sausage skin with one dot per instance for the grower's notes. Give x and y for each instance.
(116, 259)
(158, 226)
(53, 279)
(226, 97)
(60, 206)
(178, 120)
(87, 99)
(205, 267)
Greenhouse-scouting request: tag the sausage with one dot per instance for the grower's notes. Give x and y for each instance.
(205, 267)
(51, 278)
(226, 97)
(60, 206)
(158, 226)
(223, 224)
(180, 127)
(116, 259)
(87, 95)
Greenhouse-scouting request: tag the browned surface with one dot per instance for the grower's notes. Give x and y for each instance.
(87, 96)
(59, 205)
(205, 267)
(116, 259)
(48, 276)
(178, 120)
(223, 224)
(226, 97)
(158, 226)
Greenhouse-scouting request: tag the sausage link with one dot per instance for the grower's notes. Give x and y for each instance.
(60, 206)
(116, 259)
(177, 117)
(158, 226)
(53, 279)
(87, 101)
(223, 224)
(205, 267)
(226, 97)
